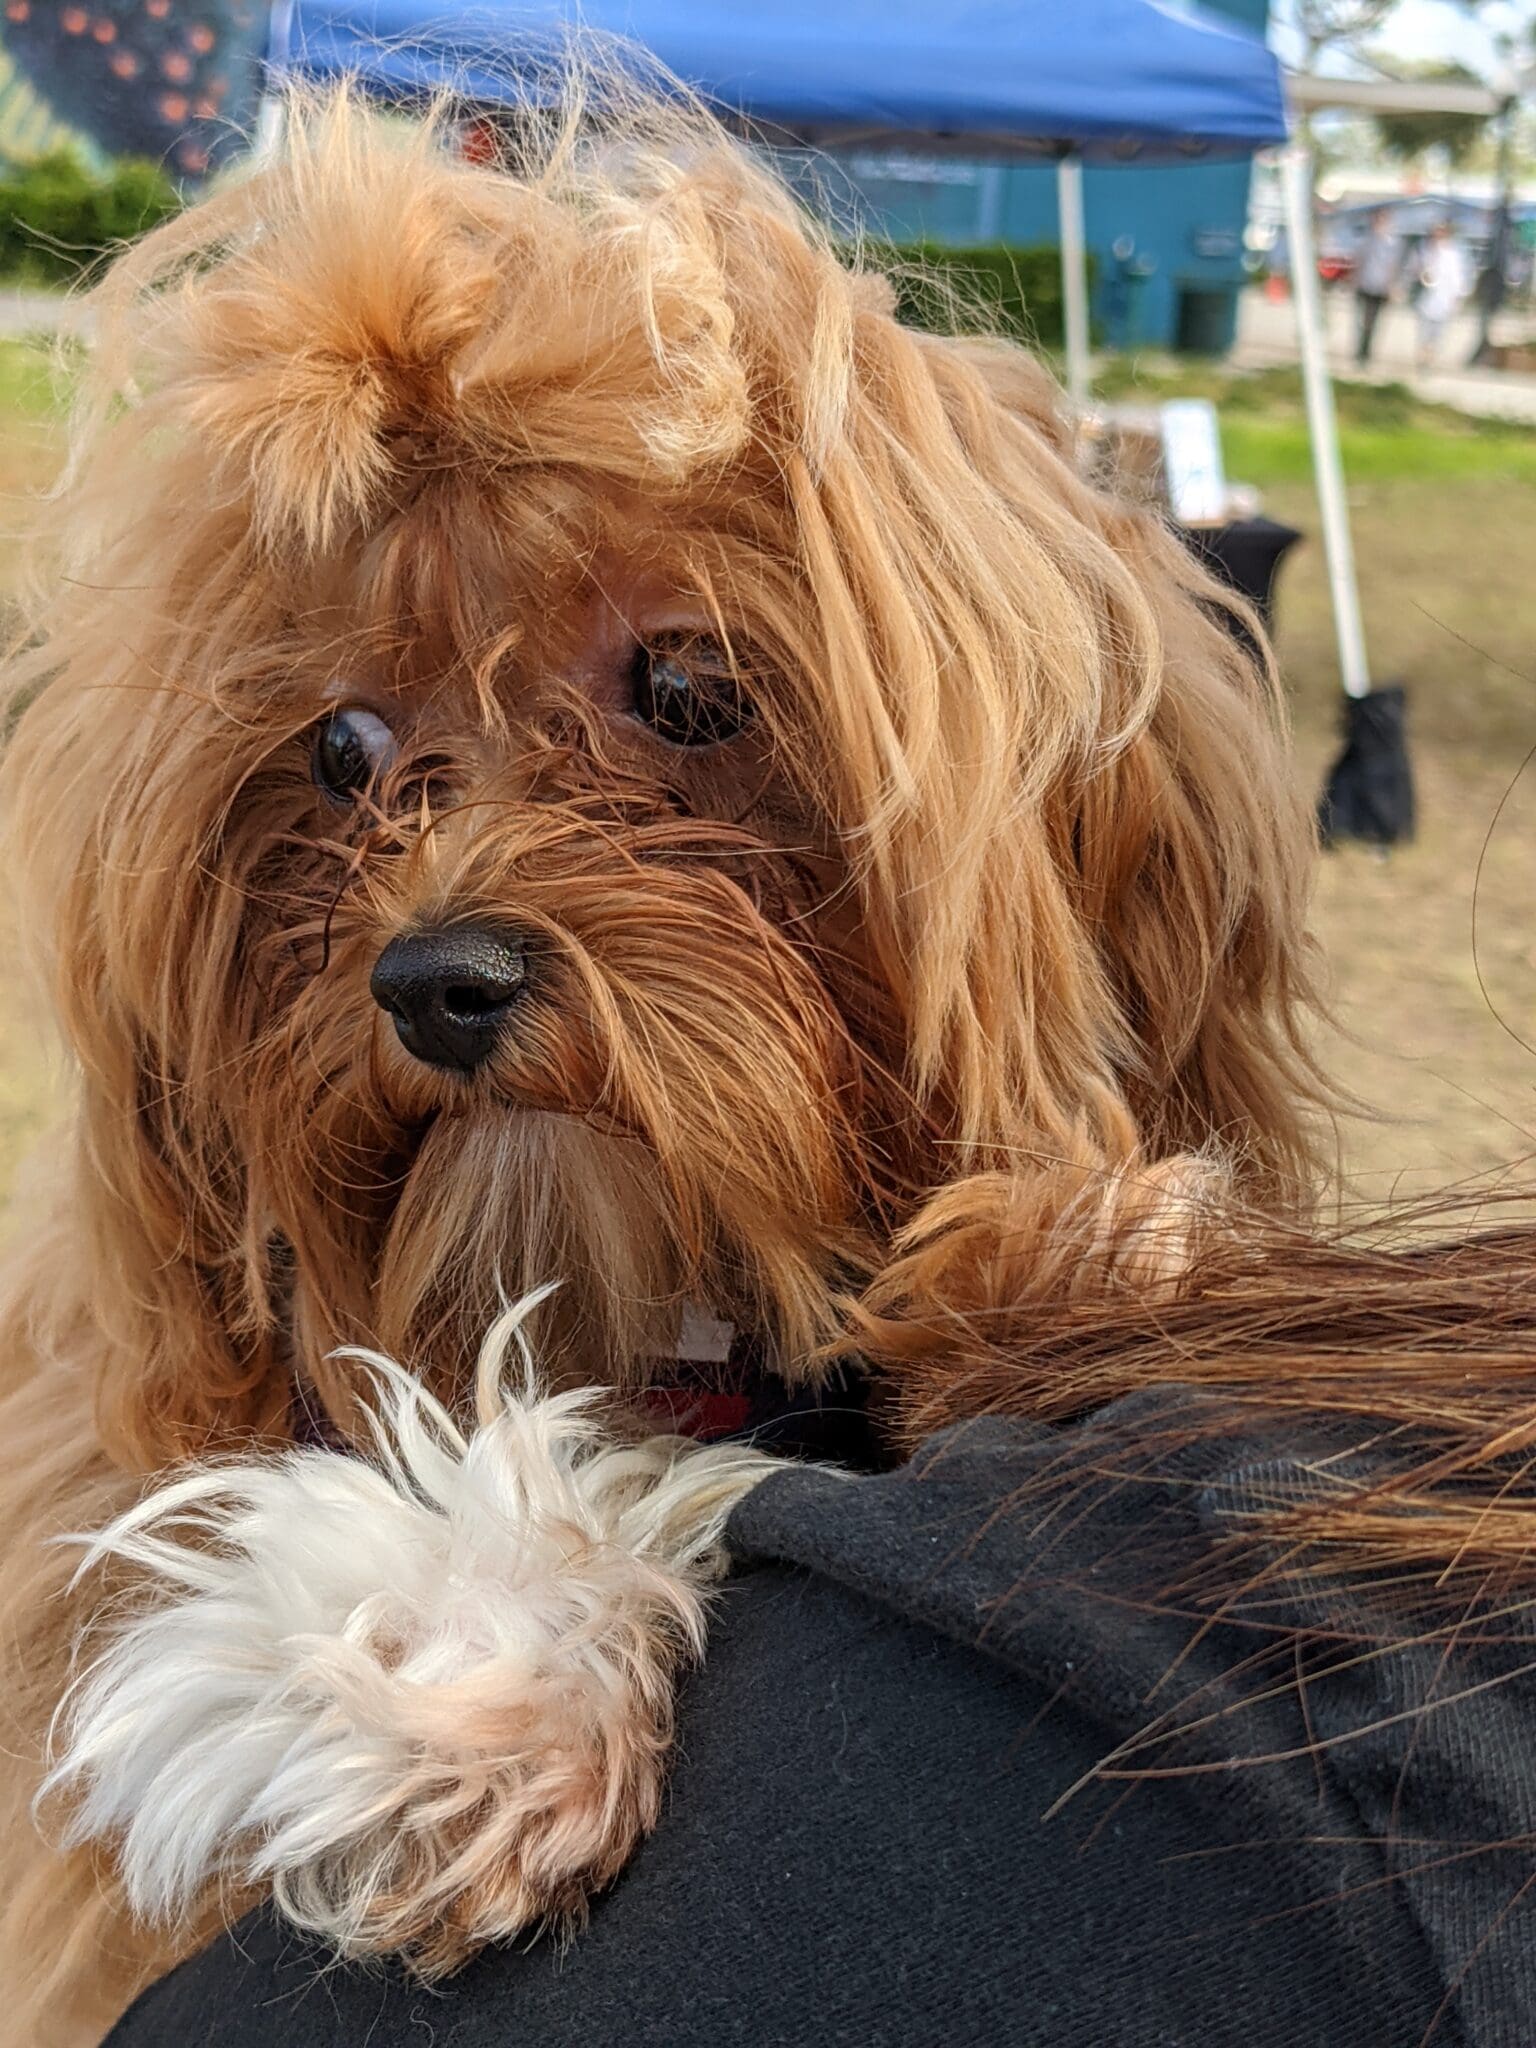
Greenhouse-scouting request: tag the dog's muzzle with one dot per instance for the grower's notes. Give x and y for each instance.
(449, 992)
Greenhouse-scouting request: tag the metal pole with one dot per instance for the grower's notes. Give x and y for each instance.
(1074, 276)
(1322, 425)
(271, 123)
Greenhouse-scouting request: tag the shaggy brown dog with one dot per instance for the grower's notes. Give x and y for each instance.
(573, 747)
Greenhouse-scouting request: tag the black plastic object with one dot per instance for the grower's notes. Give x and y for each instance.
(1246, 554)
(1369, 791)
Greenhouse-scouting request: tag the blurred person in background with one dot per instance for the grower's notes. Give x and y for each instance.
(1446, 277)
(1377, 272)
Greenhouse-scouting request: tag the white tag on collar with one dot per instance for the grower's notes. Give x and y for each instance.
(702, 1339)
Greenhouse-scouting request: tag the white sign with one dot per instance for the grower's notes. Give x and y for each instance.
(1197, 485)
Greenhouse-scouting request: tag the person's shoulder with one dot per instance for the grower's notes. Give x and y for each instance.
(1158, 1549)
(1003, 1533)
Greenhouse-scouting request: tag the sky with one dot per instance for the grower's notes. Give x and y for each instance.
(1439, 30)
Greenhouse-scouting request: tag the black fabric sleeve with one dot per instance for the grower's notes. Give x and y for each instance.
(860, 1851)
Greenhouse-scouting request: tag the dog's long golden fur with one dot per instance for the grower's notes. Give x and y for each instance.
(979, 953)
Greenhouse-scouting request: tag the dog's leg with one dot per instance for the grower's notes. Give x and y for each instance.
(992, 1262)
(425, 1697)
(1056, 1230)
(71, 1955)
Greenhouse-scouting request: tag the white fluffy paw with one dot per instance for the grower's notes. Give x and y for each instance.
(427, 1699)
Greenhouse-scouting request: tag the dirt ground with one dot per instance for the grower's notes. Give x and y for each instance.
(1431, 953)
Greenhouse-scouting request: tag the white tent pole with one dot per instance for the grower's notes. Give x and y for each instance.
(1322, 426)
(1074, 275)
(271, 117)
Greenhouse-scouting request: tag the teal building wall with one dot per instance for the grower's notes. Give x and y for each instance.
(1168, 242)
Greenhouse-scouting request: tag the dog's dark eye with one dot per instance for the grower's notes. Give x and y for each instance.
(351, 750)
(687, 691)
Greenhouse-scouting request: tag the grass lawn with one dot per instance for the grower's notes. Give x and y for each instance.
(1387, 435)
(1436, 1032)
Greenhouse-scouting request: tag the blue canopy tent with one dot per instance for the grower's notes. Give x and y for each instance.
(1105, 80)
(1133, 79)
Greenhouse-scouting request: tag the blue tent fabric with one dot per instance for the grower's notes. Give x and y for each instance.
(1111, 79)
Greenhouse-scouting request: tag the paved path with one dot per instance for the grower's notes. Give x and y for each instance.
(1266, 336)
(24, 312)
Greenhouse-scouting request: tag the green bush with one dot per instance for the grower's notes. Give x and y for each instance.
(57, 219)
(992, 289)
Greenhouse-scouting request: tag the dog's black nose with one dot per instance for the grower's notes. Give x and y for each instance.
(450, 991)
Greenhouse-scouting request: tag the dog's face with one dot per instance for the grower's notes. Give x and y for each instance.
(550, 963)
(577, 749)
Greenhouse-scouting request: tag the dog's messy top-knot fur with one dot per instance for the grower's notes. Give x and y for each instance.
(899, 852)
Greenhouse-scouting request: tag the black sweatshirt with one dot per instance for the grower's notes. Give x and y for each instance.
(891, 1823)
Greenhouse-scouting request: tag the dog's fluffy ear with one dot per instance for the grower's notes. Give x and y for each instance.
(428, 1699)
(1092, 860)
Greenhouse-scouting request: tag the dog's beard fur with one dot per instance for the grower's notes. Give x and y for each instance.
(621, 1138)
